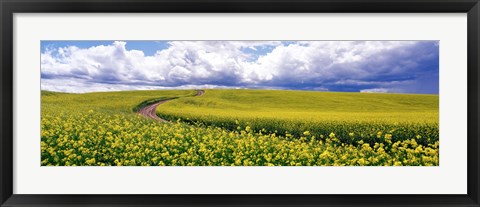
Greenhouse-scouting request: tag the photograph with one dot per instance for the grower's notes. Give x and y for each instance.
(239, 103)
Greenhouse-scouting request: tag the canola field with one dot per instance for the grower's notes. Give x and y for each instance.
(240, 128)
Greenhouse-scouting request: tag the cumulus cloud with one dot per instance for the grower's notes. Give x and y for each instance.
(392, 66)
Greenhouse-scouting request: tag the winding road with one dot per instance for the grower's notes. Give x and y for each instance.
(149, 111)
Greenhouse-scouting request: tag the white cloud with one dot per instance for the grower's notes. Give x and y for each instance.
(307, 65)
(374, 90)
(80, 86)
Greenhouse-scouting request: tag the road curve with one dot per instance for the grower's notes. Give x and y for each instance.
(149, 111)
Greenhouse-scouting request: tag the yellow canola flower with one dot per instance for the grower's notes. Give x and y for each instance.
(116, 137)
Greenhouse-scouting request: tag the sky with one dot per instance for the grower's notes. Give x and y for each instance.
(345, 66)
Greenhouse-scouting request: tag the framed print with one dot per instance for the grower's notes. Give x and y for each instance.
(237, 103)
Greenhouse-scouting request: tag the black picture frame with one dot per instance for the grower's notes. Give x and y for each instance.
(9, 7)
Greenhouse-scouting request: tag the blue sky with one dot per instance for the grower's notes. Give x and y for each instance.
(350, 66)
(147, 47)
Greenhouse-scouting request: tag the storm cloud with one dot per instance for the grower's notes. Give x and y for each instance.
(361, 66)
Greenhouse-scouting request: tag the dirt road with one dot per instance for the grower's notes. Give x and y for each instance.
(149, 111)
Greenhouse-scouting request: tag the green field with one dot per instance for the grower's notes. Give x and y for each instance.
(241, 128)
(107, 102)
(321, 113)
